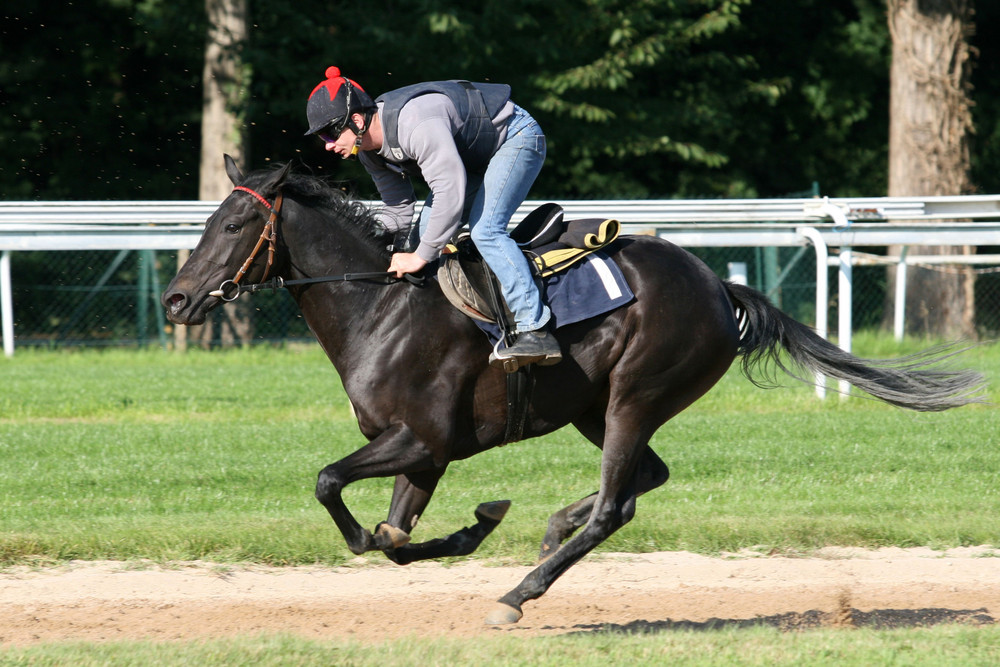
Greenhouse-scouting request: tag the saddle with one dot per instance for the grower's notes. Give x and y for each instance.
(551, 244)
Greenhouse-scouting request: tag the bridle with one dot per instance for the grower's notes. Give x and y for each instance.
(270, 235)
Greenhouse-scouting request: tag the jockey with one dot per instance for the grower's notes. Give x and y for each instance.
(479, 154)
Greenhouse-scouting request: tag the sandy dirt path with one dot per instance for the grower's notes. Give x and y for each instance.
(372, 602)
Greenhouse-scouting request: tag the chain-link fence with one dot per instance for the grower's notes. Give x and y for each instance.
(111, 298)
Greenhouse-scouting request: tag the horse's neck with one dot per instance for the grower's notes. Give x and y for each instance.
(320, 245)
(340, 313)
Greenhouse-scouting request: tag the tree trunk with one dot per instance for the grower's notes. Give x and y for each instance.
(223, 130)
(224, 95)
(929, 128)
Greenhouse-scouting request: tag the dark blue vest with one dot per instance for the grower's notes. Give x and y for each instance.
(477, 105)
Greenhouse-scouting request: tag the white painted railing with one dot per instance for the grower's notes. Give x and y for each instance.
(824, 223)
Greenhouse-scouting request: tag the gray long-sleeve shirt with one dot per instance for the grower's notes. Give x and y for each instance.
(426, 129)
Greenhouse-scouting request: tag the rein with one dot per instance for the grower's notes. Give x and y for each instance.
(270, 234)
(276, 283)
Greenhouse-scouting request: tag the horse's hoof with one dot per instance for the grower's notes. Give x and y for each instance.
(390, 537)
(494, 511)
(503, 614)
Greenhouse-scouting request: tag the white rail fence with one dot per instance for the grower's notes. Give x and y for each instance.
(823, 223)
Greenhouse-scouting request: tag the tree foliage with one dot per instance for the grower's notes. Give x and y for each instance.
(100, 100)
(639, 98)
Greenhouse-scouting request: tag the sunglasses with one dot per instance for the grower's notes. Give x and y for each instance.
(331, 132)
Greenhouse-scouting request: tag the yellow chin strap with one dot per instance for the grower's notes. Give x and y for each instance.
(359, 137)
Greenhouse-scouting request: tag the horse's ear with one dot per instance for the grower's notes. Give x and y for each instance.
(283, 174)
(276, 178)
(233, 171)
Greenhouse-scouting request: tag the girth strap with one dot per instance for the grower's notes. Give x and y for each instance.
(520, 384)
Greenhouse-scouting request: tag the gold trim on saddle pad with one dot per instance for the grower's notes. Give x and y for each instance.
(553, 261)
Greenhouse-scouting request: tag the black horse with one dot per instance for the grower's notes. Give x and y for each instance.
(416, 369)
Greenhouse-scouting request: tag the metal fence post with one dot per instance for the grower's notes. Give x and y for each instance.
(899, 313)
(845, 307)
(822, 292)
(6, 304)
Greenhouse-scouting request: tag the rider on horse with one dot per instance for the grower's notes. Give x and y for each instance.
(478, 152)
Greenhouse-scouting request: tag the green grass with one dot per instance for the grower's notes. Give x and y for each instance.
(939, 645)
(125, 455)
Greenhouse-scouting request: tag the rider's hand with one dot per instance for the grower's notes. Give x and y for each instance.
(406, 262)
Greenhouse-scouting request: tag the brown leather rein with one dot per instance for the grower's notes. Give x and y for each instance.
(270, 234)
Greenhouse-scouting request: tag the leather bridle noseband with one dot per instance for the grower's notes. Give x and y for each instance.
(270, 234)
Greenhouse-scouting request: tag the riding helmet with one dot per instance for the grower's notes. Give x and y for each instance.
(333, 101)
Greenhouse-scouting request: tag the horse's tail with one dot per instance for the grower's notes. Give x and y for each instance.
(907, 382)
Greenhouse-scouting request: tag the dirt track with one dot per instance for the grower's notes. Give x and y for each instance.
(374, 602)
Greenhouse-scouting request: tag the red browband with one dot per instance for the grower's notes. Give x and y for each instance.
(256, 195)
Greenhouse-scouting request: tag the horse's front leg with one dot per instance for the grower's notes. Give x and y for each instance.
(394, 452)
(460, 543)
(410, 497)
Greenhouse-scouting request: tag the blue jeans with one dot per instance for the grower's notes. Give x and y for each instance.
(491, 201)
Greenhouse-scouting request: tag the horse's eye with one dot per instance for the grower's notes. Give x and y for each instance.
(232, 228)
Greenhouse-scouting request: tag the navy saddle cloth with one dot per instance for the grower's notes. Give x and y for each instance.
(578, 279)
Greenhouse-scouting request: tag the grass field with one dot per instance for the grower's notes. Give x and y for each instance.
(213, 455)
(938, 646)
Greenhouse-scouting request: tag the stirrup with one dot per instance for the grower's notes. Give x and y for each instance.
(508, 364)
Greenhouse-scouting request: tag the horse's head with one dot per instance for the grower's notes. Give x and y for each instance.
(230, 236)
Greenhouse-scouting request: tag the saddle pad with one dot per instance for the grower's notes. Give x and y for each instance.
(592, 286)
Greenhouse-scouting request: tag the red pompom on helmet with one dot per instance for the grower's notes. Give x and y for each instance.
(333, 101)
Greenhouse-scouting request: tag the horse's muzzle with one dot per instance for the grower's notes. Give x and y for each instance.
(180, 310)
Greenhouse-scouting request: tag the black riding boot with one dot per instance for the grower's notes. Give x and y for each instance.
(531, 347)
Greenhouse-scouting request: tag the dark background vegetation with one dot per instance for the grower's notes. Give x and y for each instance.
(712, 98)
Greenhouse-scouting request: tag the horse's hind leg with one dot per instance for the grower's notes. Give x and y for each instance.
(613, 507)
(562, 524)
(651, 473)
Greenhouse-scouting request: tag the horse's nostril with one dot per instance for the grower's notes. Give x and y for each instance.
(175, 299)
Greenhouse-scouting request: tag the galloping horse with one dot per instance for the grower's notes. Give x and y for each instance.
(416, 369)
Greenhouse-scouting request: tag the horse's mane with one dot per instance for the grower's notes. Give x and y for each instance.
(356, 216)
